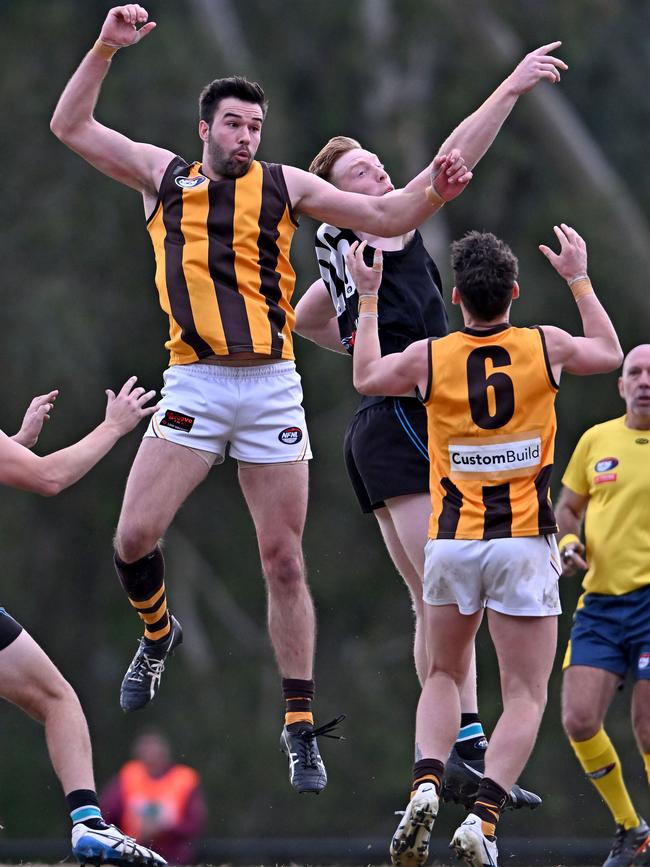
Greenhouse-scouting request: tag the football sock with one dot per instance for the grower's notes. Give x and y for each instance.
(427, 771)
(144, 583)
(646, 762)
(471, 742)
(601, 764)
(490, 801)
(298, 696)
(84, 807)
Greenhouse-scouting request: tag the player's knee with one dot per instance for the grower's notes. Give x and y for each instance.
(51, 697)
(580, 722)
(284, 569)
(134, 541)
(641, 726)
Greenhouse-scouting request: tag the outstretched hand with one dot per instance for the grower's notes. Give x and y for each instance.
(126, 408)
(366, 279)
(38, 412)
(535, 67)
(571, 261)
(126, 25)
(449, 175)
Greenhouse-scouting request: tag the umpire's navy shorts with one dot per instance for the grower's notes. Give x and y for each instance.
(612, 633)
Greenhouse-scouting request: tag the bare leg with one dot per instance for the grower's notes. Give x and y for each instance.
(404, 525)
(161, 478)
(641, 715)
(32, 682)
(276, 495)
(586, 694)
(525, 649)
(450, 637)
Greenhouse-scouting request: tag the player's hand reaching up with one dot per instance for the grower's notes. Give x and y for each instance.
(571, 261)
(449, 175)
(126, 408)
(126, 25)
(366, 279)
(38, 412)
(540, 64)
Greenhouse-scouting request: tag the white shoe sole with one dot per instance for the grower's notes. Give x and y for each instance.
(471, 849)
(410, 844)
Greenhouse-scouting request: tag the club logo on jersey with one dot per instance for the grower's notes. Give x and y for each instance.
(489, 456)
(290, 436)
(186, 183)
(605, 464)
(644, 661)
(178, 420)
(642, 441)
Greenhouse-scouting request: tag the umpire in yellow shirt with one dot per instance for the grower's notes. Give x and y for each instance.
(608, 482)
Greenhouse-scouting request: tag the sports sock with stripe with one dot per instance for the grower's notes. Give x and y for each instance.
(490, 801)
(601, 764)
(471, 742)
(427, 771)
(144, 583)
(298, 696)
(84, 807)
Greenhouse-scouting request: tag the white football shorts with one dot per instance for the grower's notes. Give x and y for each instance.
(256, 411)
(517, 576)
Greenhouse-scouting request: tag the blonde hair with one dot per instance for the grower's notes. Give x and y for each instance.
(323, 162)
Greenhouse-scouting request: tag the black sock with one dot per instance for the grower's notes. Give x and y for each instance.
(427, 771)
(144, 583)
(471, 742)
(298, 696)
(490, 801)
(84, 807)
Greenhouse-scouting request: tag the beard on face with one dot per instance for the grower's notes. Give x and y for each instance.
(224, 163)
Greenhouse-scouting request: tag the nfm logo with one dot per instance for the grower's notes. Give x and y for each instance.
(488, 456)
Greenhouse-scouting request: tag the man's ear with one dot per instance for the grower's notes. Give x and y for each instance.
(204, 130)
(515, 290)
(455, 296)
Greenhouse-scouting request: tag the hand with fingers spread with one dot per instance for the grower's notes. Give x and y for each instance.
(38, 412)
(571, 261)
(449, 175)
(127, 408)
(367, 280)
(540, 64)
(126, 25)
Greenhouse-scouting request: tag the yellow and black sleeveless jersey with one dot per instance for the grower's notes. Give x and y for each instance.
(491, 424)
(222, 262)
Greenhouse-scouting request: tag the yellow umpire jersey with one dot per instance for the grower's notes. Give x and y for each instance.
(611, 465)
(491, 424)
(222, 262)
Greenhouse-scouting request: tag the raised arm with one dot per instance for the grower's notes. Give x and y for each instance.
(38, 412)
(392, 214)
(599, 351)
(135, 164)
(316, 318)
(49, 475)
(395, 374)
(476, 133)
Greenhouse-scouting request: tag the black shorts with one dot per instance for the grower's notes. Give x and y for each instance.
(386, 453)
(10, 629)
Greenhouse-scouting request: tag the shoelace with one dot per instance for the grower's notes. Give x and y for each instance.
(129, 847)
(147, 666)
(307, 750)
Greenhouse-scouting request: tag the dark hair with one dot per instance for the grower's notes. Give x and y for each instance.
(485, 270)
(236, 86)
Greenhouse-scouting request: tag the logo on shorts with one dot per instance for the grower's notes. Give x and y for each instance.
(186, 183)
(644, 661)
(290, 436)
(177, 420)
(605, 464)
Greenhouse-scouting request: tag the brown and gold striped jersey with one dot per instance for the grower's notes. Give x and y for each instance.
(222, 262)
(491, 423)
